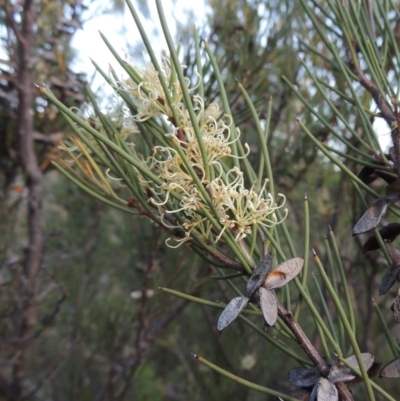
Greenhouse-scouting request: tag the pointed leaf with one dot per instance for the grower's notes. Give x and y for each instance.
(371, 218)
(388, 232)
(259, 274)
(326, 391)
(386, 176)
(391, 370)
(231, 312)
(392, 272)
(313, 395)
(393, 253)
(269, 306)
(303, 377)
(396, 307)
(388, 279)
(285, 272)
(393, 188)
(367, 175)
(367, 358)
(341, 373)
(301, 394)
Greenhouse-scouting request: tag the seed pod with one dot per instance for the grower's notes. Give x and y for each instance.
(269, 306)
(259, 274)
(231, 312)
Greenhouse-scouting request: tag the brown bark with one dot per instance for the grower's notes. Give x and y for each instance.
(28, 285)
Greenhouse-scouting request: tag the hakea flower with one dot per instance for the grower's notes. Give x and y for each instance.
(263, 280)
(216, 135)
(193, 222)
(149, 95)
(237, 209)
(241, 207)
(324, 388)
(169, 167)
(120, 116)
(234, 207)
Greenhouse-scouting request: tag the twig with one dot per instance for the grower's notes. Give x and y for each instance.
(49, 139)
(380, 101)
(392, 119)
(303, 340)
(50, 374)
(309, 349)
(13, 25)
(228, 262)
(24, 342)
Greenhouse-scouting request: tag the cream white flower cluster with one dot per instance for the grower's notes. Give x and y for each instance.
(242, 208)
(223, 194)
(149, 94)
(238, 208)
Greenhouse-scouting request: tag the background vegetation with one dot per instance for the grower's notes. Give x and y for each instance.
(81, 314)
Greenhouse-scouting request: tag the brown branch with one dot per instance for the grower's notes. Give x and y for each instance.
(28, 285)
(303, 340)
(146, 339)
(388, 115)
(50, 139)
(24, 342)
(310, 350)
(228, 261)
(379, 99)
(13, 25)
(344, 392)
(149, 327)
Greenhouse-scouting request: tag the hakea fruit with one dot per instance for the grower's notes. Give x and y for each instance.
(263, 280)
(324, 388)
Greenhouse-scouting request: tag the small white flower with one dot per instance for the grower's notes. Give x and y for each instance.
(248, 362)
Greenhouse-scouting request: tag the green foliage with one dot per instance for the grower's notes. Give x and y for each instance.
(324, 64)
